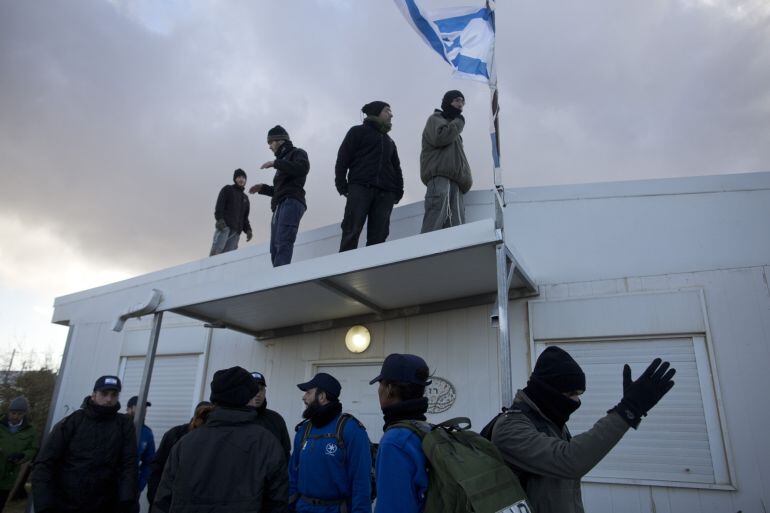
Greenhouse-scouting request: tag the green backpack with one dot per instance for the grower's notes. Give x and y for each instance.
(466, 472)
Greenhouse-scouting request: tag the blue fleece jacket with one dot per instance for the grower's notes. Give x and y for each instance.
(146, 454)
(402, 476)
(321, 469)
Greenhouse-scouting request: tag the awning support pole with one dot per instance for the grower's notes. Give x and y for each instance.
(149, 362)
(505, 270)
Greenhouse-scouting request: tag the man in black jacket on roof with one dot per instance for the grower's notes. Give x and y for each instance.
(232, 215)
(287, 192)
(89, 462)
(368, 173)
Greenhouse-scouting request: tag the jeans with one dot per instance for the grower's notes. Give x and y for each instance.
(224, 240)
(370, 205)
(283, 230)
(444, 205)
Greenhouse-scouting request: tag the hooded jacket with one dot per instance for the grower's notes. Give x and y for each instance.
(442, 151)
(291, 168)
(23, 441)
(88, 464)
(553, 460)
(170, 438)
(369, 157)
(227, 465)
(233, 206)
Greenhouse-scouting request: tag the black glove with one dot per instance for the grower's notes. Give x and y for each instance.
(641, 395)
(15, 457)
(248, 235)
(343, 189)
(221, 224)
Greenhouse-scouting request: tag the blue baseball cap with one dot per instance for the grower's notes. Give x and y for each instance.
(403, 368)
(325, 382)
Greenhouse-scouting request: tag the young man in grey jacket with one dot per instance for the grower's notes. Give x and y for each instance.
(444, 168)
(535, 442)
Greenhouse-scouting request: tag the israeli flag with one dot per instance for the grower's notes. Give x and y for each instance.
(463, 36)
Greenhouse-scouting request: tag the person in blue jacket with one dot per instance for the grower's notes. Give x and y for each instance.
(329, 473)
(146, 449)
(401, 468)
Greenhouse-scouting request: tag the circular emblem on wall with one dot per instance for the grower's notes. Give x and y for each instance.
(441, 395)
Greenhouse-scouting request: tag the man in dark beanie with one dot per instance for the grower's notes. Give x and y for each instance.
(534, 440)
(291, 166)
(88, 464)
(444, 168)
(232, 215)
(18, 445)
(368, 174)
(330, 467)
(228, 464)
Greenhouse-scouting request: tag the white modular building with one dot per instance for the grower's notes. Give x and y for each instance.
(614, 273)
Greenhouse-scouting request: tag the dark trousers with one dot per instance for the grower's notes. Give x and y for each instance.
(366, 205)
(283, 230)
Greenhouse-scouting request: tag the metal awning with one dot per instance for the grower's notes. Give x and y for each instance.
(446, 269)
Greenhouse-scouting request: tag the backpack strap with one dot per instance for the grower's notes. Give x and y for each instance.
(456, 424)
(341, 422)
(415, 426)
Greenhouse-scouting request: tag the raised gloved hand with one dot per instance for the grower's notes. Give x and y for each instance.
(221, 224)
(15, 457)
(641, 395)
(248, 235)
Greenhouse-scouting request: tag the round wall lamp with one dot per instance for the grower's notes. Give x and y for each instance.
(357, 339)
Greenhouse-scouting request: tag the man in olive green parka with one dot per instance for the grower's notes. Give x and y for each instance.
(18, 444)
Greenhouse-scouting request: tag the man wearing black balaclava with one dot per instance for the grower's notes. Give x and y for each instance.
(535, 442)
(444, 168)
(368, 174)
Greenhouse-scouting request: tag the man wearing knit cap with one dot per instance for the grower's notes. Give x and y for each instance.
(330, 467)
(88, 463)
(287, 192)
(269, 419)
(18, 445)
(368, 174)
(228, 464)
(444, 168)
(534, 440)
(232, 215)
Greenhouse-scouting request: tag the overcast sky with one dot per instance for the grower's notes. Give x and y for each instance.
(120, 120)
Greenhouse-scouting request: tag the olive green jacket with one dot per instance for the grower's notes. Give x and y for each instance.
(23, 441)
(553, 461)
(442, 151)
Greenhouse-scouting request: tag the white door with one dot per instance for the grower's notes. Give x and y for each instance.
(358, 397)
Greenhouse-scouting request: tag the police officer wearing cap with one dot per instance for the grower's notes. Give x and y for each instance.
(402, 478)
(88, 464)
(146, 447)
(269, 419)
(330, 468)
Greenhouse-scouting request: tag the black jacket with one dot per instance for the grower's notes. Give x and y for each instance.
(369, 157)
(291, 165)
(273, 422)
(88, 464)
(233, 207)
(170, 438)
(229, 464)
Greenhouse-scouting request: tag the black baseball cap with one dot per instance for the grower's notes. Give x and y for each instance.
(325, 382)
(259, 377)
(107, 383)
(134, 401)
(403, 368)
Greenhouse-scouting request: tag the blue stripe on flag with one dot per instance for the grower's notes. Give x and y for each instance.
(470, 65)
(425, 28)
(459, 23)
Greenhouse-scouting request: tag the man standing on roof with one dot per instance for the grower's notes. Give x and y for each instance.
(146, 449)
(533, 438)
(228, 464)
(330, 468)
(444, 168)
(368, 174)
(88, 462)
(18, 445)
(269, 419)
(287, 192)
(402, 476)
(232, 215)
